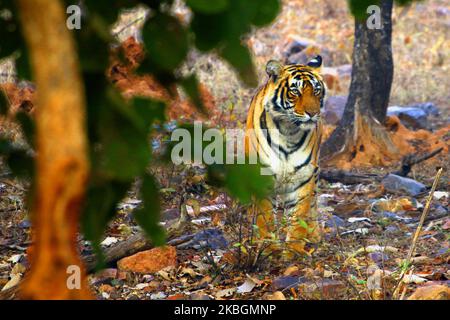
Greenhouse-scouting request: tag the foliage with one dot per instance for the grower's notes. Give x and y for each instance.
(119, 130)
(358, 7)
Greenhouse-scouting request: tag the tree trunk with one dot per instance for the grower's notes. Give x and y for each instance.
(361, 128)
(61, 163)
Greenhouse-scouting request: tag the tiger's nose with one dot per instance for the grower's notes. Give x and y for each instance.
(311, 113)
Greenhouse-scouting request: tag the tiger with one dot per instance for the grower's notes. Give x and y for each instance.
(284, 130)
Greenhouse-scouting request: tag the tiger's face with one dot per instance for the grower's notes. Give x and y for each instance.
(298, 93)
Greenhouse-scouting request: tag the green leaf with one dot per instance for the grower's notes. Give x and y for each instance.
(107, 9)
(93, 47)
(100, 208)
(254, 184)
(207, 6)
(209, 30)
(13, 43)
(239, 57)
(4, 103)
(358, 8)
(148, 111)
(118, 131)
(302, 223)
(21, 163)
(266, 12)
(166, 41)
(191, 87)
(125, 149)
(148, 217)
(5, 146)
(9, 29)
(231, 177)
(28, 127)
(23, 66)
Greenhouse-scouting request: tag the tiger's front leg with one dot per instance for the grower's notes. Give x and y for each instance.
(303, 226)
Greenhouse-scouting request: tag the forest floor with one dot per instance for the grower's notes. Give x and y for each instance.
(367, 228)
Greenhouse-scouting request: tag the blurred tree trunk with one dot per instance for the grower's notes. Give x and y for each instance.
(62, 164)
(361, 127)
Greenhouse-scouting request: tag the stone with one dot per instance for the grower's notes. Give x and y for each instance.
(334, 109)
(393, 216)
(209, 238)
(428, 107)
(331, 78)
(149, 261)
(291, 271)
(296, 45)
(411, 117)
(344, 70)
(433, 292)
(392, 229)
(378, 257)
(277, 295)
(305, 55)
(334, 222)
(397, 184)
(284, 282)
(323, 289)
(25, 224)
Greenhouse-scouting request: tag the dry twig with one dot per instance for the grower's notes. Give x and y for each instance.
(426, 209)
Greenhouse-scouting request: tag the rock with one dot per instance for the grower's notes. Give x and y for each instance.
(104, 275)
(199, 296)
(334, 222)
(323, 289)
(395, 205)
(446, 225)
(428, 107)
(393, 216)
(397, 184)
(304, 56)
(434, 292)
(291, 271)
(209, 238)
(277, 295)
(25, 224)
(14, 281)
(149, 261)
(378, 257)
(331, 78)
(334, 109)
(296, 45)
(344, 70)
(284, 282)
(392, 229)
(106, 288)
(413, 118)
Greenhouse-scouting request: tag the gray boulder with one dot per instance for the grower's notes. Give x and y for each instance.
(334, 109)
(430, 108)
(397, 184)
(411, 117)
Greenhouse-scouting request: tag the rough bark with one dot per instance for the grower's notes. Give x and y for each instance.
(361, 127)
(61, 163)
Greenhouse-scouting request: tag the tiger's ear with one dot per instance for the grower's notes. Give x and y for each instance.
(315, 62)
(273, 68)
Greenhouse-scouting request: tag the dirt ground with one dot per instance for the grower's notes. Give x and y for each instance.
(367, 230)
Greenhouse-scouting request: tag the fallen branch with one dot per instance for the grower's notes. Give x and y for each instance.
(346, 177)
(410, 160)
(138, 242)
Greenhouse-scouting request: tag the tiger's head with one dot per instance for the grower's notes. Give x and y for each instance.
(297, 93)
